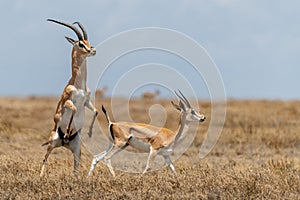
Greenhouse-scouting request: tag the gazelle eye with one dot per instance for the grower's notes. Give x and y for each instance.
(193, 112)
(81, 45)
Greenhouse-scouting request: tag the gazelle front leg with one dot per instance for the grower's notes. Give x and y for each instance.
(151, 157)
(169, 163)
(91, 106)
(71, 106)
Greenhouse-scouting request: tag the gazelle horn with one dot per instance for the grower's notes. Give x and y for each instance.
(69, 26)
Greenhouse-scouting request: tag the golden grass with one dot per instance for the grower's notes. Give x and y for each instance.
(256, 157)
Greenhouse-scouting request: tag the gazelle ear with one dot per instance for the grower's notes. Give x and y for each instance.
(182, 106)
(70, 40)
(176, 106)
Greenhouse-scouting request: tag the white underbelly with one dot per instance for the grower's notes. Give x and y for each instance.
(77, 122)
(79, 98)
(145, 147)
(139, 144)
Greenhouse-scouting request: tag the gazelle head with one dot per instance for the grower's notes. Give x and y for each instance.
(81, 46)
(185, 107)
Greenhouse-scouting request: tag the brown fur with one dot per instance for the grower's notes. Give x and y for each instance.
(100, 93)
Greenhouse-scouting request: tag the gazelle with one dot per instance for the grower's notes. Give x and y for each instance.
(144, 137)
(70, 111)
(99, 94)
(150, 95)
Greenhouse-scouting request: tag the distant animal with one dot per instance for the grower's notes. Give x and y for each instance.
(70, 111)
(100, 92)
(148, 138)
(150, 95)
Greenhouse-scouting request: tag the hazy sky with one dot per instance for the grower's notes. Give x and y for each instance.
(255, 44)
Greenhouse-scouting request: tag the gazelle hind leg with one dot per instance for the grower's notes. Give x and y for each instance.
(110, 168)
(76, 155)
(53, 142)
(110, 154)
(98, 158)
(49, 150)
(75, 147)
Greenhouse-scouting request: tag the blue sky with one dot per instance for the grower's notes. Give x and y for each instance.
(255, 44)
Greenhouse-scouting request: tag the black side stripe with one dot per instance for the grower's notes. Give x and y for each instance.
(111, 132)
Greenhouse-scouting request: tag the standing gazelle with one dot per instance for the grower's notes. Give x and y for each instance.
(70, 111)
(150, 95)
(144, 137)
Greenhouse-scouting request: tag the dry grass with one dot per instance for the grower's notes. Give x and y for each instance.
(256, 157)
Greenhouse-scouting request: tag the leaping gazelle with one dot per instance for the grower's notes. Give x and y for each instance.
(70, 111)
(144, 137)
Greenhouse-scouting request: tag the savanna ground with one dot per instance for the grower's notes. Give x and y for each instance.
(257, 156)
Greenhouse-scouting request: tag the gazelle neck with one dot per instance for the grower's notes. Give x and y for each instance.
(79, 71)
(183, 127)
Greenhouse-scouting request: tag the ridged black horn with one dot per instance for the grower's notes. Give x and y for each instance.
(85, 36)
(186, 101)
(69, 26)
(182, 97)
